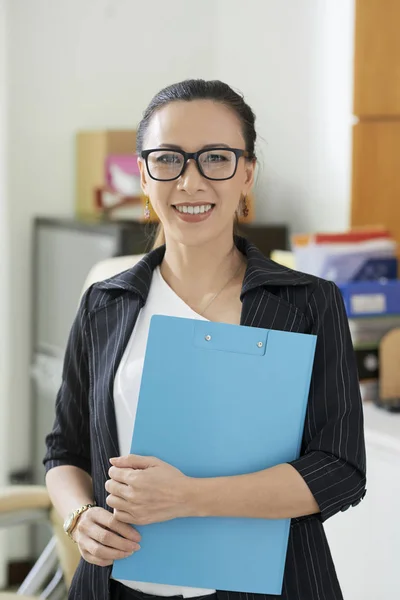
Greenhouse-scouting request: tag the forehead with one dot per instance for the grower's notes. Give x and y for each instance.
(192, 125)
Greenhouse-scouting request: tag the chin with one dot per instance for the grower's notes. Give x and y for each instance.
(198, 236)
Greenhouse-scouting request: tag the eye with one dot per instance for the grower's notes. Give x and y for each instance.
(214, 157)
(168, 158)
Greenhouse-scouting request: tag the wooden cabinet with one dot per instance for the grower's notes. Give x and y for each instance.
(376, 174)
(376, 137)
(377, 58)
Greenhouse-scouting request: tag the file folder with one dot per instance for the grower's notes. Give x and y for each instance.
(218, 400)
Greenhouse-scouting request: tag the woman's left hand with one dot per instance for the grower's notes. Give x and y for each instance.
(145, 490)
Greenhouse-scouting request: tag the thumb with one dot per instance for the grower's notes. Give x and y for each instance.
(134, 461)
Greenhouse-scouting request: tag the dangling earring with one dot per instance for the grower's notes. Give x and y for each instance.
(147, 208)
(245, 208)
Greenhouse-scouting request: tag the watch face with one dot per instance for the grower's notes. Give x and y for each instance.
(68, 521)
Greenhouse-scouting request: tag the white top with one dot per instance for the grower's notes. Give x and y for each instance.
(161, 300)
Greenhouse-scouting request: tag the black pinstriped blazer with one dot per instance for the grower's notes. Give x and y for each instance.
(332, 458)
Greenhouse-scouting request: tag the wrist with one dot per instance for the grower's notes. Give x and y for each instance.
(198, 497)
(72, 519)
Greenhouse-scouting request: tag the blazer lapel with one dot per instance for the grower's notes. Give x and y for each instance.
(262, 308)
(110, 330)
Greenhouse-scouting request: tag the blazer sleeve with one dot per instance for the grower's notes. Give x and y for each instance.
(333, 461)
(69, 441)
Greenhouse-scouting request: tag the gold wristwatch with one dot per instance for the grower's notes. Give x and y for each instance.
(72, 519)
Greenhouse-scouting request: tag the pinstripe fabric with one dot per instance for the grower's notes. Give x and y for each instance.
(332, 460)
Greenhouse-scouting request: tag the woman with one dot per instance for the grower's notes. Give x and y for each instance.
(196, 146)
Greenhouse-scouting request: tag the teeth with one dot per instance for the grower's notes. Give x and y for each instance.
(194, 210)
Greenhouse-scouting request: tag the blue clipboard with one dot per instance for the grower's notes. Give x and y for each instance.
(219, 400)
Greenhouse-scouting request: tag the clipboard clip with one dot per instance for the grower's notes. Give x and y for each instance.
(224, 337)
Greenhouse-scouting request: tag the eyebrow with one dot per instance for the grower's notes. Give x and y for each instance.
(175, 147)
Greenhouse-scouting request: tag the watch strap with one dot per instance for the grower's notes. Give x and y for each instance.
(76, 514)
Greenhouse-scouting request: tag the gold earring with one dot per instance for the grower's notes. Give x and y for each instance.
(245, 208)
(147, 208)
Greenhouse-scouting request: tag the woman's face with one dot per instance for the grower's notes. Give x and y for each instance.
(193, 209)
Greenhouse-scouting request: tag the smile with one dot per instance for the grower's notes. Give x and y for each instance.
(194, 210)
(193, 213)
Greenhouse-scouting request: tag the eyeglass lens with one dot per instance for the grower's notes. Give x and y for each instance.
(215, 164)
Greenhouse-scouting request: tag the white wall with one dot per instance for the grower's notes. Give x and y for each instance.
(4, 366)
(80, 64)
(293, 62)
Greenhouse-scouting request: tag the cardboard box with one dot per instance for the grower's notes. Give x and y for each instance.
(92, 149)
(390, 374)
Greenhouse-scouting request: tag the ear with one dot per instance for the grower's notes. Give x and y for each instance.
(249, 176)
(143, 175)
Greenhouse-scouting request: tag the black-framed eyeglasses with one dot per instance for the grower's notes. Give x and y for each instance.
(217, 164)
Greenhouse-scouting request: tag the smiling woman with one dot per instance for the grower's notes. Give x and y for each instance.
(197, 159)
(215, 115)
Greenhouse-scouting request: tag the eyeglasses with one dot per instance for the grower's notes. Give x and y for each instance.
(217, 164)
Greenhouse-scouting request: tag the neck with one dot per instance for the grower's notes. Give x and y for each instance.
(197, 271)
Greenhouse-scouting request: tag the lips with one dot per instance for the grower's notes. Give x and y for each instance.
(193, 213)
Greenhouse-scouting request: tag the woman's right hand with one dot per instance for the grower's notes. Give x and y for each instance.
(101, 538)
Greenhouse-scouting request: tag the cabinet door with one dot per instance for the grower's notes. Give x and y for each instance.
(63, 259)
(377, 58)
(376, 175)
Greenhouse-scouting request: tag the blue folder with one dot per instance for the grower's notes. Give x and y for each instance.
(219, 400)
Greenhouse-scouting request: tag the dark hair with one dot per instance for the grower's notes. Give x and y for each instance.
(199, 89)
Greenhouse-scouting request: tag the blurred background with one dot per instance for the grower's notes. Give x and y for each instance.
(323, 78)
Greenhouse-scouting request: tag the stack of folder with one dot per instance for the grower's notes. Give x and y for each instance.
(363, 263)
(351, 256)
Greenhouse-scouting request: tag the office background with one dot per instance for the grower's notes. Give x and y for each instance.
(70, 65)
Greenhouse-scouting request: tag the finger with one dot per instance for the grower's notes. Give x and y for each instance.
(125, 517)
(108, 538)
(135, 461)
(119, 503)
(111, 521)
(122, 490)
(96, 561)
(103, 552)
(123, 475)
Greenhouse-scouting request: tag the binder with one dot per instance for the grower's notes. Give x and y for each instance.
(218, 400)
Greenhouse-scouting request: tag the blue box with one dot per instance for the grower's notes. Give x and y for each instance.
(371, 298)
(377, 268)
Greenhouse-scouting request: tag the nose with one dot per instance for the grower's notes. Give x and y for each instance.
(191, 179)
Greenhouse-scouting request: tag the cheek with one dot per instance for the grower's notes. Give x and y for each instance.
(160, 194)
(228, 194)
